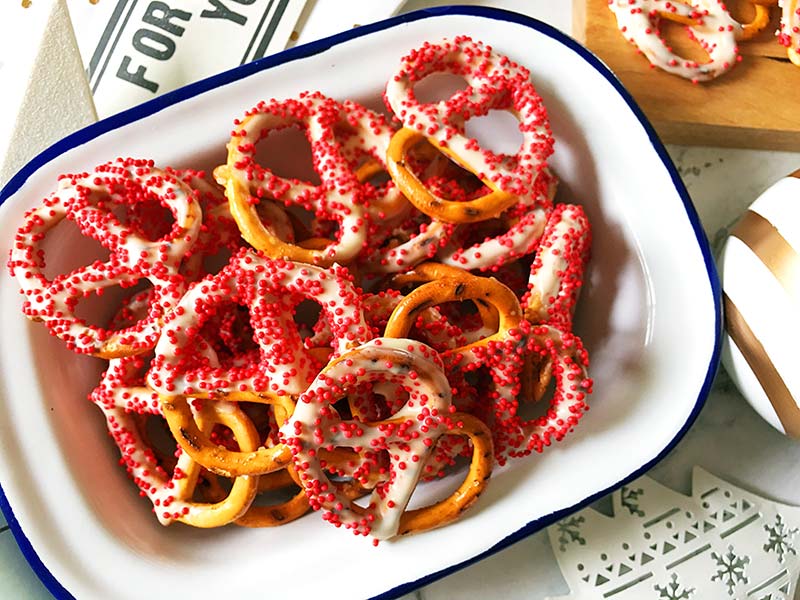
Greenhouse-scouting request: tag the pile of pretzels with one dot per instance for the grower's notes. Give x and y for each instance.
(279, 346)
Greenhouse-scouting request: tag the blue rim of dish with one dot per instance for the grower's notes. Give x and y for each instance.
(157, 104)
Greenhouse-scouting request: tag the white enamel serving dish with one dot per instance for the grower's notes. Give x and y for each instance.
(649, 314)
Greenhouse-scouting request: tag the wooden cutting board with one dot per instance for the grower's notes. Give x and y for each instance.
(756, 105)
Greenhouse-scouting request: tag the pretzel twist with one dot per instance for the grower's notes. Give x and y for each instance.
(172, 493)
(709, 22)
(338, 198)
(270, 290)
(84, 199)
(408, 435)
(493, 83)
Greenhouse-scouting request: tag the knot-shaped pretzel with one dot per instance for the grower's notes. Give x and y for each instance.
(270, 290)
(89, 199)
(709, 22)
(408, 436)
(493, 83)
(338, 198)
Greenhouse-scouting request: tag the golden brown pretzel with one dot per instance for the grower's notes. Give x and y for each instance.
(243, 490)
(484, 289)
(431, 271)
(178, 488)
(197, 444)
(471, 211)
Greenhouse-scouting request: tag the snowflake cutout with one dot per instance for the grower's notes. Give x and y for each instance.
(630, 500)
(780, 539)
(568, 532)
(673, 590)
(730, 569)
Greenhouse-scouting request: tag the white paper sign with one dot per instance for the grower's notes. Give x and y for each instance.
(135, 50)
(721, 543)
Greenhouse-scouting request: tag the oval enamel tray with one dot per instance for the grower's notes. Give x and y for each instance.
(649, 315)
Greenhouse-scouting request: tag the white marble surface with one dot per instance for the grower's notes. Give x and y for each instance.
(729, 439)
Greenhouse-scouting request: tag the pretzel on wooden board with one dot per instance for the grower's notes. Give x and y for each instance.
(708, 20)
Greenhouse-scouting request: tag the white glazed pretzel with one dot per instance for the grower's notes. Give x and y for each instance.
(493, 83)
(709, 22)
(337, 198)
(270, 289)
(88, 199)
(408, 435)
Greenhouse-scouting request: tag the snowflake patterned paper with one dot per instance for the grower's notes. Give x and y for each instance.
(721, 543)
